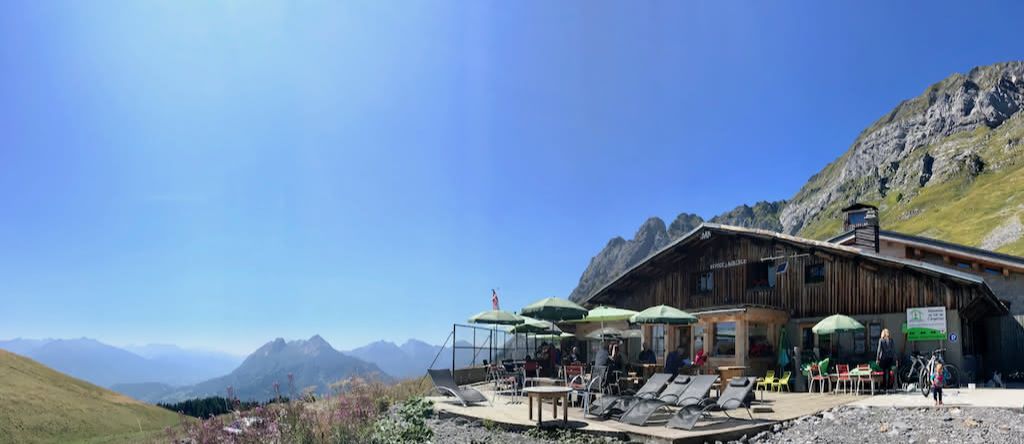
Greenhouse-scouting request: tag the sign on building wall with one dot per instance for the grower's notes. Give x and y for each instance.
(926, 324)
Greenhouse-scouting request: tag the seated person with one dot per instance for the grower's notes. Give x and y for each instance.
(700, 358)
(647, 356)
(574, 356)
(674, 361)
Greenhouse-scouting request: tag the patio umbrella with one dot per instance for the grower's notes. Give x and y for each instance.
(535, 326)
(554, 309)
(663, 314)
(836, 323)
(783, 348)
(613, 333)
(604, 314)
(496, 318)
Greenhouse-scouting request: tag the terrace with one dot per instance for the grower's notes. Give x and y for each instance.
(774, 408)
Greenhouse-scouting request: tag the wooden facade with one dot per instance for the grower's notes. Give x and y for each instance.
(749, 277)
(853, 283)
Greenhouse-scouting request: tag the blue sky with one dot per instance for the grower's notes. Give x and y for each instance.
(217, 174)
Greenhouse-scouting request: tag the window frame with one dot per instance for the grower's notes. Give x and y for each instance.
(808, 276)
(701, 278)
(714, 339)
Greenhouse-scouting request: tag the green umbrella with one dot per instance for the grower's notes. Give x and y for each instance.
(783, 347)
(552, 337)
(663, 314)
(535, 326)
(613, 333)
(497, 317)
(835, 324)
(554, 309)
(608, 314)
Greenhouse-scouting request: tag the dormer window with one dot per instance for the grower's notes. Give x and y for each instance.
(857, 217)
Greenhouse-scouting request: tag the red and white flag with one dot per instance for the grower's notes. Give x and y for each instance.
(494, 299)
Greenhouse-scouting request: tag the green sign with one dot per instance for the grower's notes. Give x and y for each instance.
(923, 334)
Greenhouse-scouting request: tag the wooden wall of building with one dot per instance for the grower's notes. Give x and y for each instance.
(849, 287)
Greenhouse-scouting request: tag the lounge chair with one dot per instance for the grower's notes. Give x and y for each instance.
(608, 405)
(683, 391)
(445, 384)
(736, 393)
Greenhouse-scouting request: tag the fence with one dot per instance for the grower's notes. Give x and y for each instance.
(471, 345)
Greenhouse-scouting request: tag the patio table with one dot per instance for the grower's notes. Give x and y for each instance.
(554, 394)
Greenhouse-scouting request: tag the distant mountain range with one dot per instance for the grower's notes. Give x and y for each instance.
(313, 364)
(106, 365)
(414, 357)
(167, 373)
(956, 149)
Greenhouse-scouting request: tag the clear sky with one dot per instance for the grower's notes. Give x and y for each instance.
(218, 174)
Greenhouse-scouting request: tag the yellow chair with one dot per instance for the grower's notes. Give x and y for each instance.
(767, 381)
(782, 382)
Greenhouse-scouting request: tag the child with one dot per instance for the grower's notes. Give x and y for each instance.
(937, 383)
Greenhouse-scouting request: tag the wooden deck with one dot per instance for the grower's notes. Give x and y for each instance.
(784, 406)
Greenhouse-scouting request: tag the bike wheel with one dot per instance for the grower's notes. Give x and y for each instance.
(951, 373)
(924, 385)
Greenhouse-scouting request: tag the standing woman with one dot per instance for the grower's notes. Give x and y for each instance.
(885, 355)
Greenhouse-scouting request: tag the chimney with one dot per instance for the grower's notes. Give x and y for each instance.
(862, 220)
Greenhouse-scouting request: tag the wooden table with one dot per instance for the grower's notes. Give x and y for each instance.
(552, 393)
(725, 373)
(540, 381)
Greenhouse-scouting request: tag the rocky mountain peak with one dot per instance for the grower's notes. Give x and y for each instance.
(925, 141)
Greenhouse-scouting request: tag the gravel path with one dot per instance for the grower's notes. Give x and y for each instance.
(869, 425)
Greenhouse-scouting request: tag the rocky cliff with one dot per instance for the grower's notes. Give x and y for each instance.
(946, 164)
(620, 254)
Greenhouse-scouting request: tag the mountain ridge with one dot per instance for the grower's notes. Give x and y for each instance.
(955, 149)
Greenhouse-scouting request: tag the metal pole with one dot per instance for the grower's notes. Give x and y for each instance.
(474, 347)
(453, 350)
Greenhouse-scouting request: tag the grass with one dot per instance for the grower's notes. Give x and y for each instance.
(962, 209)
(41, 405)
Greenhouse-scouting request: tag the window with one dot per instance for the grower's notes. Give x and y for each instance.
(760, 275)
(993, 271)
(698, 338)
(825, 346)
(859, 342)
(806, 338)
(963, 265)
(814, 273)
(858, 217)
(874, 333)
(705, 282)
(725, 339)
(658, 342)
(683, 339)
(757, 338)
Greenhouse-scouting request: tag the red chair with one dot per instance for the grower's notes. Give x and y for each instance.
(571, 371)
(820, 377)
(843, 380)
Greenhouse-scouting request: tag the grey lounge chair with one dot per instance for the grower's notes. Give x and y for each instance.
(587, 389)
(445, 384)
(608, 406)
(736, 395)
(684, 391)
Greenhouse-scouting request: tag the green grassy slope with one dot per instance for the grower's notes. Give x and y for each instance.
(41, 405)
(962, 209)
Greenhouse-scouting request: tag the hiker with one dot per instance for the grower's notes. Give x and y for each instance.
(885, 355)
(574, 355)
(602, 356)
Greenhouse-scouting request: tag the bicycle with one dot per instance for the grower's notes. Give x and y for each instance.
(950, 372)
(911, 372)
